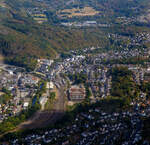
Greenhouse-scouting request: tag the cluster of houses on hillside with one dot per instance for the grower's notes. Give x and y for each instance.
(126, 20)
(95, 126)
(127, 42)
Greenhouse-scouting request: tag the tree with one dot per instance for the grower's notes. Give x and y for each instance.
(52, 95)
(122, 83)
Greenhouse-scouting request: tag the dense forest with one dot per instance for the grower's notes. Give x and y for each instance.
(123, 84)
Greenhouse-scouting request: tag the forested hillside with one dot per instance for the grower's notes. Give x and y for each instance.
(23, 39)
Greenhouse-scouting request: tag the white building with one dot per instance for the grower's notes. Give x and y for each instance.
(43, 101)
(26, 104)
(50, 85)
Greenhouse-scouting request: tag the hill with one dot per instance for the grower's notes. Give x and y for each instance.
(30, 29)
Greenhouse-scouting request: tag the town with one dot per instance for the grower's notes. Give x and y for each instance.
(94, 126)
(75, 72)
(23, 85)
(78, 74)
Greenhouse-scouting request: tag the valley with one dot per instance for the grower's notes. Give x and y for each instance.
(74, 72)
